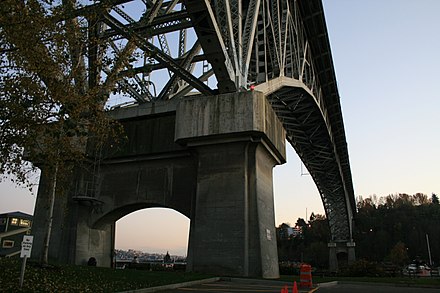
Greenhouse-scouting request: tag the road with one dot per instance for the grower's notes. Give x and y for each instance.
(259, 286)
(239, 286)
(370, 288)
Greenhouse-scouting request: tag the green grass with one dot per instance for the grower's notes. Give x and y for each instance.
(404, 281)
(65, 278)
(83, 279)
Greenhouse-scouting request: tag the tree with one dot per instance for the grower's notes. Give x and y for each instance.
(434, 199)
(301, 223)
(52, 94)
(420, 199)
(399, 254)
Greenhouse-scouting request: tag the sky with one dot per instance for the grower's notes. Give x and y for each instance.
(386, 59)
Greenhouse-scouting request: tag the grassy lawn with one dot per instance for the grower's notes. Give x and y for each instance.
(83, 278)
(404, 281)
(91, 279)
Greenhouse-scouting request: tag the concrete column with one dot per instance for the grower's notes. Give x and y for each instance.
(332, 258)
(72, 240)
(351, 252)
(91, 242)
(233, 227)
(238, 140)
(60, 223)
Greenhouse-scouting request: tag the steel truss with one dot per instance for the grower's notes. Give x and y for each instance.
(280, 47)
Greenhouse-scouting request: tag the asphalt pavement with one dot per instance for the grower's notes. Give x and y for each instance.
(373, 288)
(237, 285)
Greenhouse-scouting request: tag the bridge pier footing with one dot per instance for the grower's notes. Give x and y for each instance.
(341, 253)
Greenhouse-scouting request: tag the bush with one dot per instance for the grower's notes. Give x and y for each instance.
(363, 268)
(289, 268)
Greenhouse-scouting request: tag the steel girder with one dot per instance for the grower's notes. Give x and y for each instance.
(311, 137)
(279, 46)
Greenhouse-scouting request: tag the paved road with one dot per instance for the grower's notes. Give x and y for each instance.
(259, 286)
(368, 288)
(238, 286)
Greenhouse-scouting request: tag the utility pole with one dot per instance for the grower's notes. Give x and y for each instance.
(429, 251)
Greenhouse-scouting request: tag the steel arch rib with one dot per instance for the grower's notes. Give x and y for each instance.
(308, 132)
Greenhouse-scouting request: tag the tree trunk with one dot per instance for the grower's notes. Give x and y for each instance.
(52, 192)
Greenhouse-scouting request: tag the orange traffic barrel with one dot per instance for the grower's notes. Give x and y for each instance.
(305, 276)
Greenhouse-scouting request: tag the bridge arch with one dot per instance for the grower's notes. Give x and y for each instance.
(125, 210)
(153, 230)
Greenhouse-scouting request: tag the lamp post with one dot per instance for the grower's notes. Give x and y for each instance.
(429, 251)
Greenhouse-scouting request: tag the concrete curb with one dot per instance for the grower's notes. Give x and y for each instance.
(251, 281)
(275, 282)
(427, 286)
(328, 284)
(173, 286)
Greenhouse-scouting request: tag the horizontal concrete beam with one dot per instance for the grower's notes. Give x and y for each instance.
(136, 110)
(229, 114)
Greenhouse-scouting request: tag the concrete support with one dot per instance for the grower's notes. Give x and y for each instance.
(149, 170)
(72, 240)
(90, 242)
(341, 254)
(211, 159)
(332, 258)
(41, 214)
(238, 141)
(351, 246)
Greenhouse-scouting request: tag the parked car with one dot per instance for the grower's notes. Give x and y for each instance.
(417, 270)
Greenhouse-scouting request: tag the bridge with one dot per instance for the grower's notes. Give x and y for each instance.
(213, 90)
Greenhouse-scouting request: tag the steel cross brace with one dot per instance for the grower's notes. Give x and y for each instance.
(156, 53)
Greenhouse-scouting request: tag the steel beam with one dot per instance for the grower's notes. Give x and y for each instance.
(210, 38)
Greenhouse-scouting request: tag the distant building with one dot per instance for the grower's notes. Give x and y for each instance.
(13, 226)
(286, 232)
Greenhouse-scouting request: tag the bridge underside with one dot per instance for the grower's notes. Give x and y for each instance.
(278, 48)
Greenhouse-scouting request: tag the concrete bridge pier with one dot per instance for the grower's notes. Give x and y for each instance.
(341, 253)
(233, 227)
(210, 158)
(93, 242)
(238, 140)
(72, 239)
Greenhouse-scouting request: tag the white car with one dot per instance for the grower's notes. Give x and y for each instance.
(419, 271)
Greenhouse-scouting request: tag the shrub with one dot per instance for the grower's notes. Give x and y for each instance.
(363, 268)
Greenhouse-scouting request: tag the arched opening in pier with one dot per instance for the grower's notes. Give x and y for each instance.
(150, 233)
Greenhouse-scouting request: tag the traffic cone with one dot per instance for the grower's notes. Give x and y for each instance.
(295, 288)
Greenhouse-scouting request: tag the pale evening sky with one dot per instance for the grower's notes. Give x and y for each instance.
(387, 63)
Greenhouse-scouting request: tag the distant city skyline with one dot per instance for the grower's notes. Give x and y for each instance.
(387, 64)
